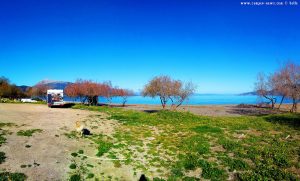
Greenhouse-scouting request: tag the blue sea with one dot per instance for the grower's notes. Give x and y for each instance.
(200, 99)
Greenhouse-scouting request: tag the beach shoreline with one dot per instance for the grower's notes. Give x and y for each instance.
(214, 110)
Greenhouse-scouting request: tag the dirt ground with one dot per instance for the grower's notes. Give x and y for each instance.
(49, 154)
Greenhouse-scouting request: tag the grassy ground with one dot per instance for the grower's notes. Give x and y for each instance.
(168, 145)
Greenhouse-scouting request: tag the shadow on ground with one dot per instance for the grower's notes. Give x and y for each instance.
(253, 111)
(151, 111)
(68, 105)
(292, 120)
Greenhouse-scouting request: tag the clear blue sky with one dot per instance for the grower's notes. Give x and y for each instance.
(219, 45)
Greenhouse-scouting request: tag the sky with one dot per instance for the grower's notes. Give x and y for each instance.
(218, 45)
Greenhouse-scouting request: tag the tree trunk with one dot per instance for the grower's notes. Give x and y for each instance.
(95, 100)
(84, 99)
(272, 100)
(281, 101)
(124, 102)
(163, 102)
(294, 107)
(273, 103)
(173, 107)
(180, 103)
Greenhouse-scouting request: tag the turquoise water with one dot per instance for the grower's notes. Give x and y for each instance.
(194, 100)
(201, 99)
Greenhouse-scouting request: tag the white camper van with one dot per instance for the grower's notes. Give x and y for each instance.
(55, 97)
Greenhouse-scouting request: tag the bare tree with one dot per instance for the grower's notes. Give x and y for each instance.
(40, 90)
(4, 87)
(123, 93)
(265, 87)
(90, 91)
(86, 90)
(159, 86)
(291, 74)
(107, 91)
(181, 93)
(168, 89)
(280, 84)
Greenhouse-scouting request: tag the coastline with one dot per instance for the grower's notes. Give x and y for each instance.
(213, 110)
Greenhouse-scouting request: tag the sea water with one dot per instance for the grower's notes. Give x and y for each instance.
(199, 99)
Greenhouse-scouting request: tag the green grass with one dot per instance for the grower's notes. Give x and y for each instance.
(6, 100)
(75, 177)
(29, 132)
(90, 175)
(72, 166)
(7, 176)
(6, 124)
(249, 147)
(207, 129)
(72, 134)
(104, 145)
(2, 139)
(4, 132)
(74, 154)
(103, 148)
(2, 157)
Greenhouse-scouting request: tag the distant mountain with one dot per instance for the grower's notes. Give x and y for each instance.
(248, 94)
(55, 84)
(23, 87)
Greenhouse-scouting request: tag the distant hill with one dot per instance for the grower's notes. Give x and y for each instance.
(23, 87)
(55, 84)
(248, 94)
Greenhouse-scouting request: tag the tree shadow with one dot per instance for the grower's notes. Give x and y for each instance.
(292, 120)
(111, 105)
(253, 111)
(67, 105)
(151, 111)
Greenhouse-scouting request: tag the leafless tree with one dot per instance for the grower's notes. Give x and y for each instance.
(86, 90)
(280, 85)
(181, 92)
(291, 74)
(123, 93)
(159, 86)
(265, 87)
(40, 90)
(168, 89)
(4, 87)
